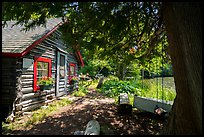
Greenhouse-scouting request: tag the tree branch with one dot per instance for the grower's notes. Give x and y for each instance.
(153, 41)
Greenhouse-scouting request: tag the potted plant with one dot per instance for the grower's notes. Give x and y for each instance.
(74, 79)
(45, 83)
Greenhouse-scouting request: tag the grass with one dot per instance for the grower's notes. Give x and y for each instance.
(37, 116)
(89, 84)
(168, 93)
(150, 88)
(82, 91)
(168, 82)
(153, 89)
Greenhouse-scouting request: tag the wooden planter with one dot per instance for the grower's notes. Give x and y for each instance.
(45, 87)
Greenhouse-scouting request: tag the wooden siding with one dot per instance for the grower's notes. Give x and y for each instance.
(11, 84)
(31, 99)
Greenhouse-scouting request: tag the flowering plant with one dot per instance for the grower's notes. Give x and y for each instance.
(74, 79)
(45, 81)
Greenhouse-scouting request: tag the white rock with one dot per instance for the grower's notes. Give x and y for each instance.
(93, 128)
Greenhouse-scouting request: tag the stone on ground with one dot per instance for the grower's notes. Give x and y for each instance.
(93, 128)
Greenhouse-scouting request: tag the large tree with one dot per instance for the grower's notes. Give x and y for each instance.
(184, 29)
(115, 27)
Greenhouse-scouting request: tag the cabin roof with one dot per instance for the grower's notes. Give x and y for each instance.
(16, 41)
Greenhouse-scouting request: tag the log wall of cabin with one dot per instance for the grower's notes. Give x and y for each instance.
(31, 99)
(11, 84)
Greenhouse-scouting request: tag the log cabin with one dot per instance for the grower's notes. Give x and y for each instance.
(30, 55)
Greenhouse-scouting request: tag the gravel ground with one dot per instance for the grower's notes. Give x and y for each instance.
(74, 117)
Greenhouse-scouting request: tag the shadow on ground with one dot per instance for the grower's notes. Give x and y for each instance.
(95, 106)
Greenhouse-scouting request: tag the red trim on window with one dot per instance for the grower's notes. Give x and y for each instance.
(36, 59)
(74, 65)
(32, 45)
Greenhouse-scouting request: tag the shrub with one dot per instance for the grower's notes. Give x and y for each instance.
(113, 88)
(82, 91)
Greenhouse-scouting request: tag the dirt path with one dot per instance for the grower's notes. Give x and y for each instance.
(73, 118)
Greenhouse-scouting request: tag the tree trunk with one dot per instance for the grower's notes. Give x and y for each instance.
(184, 31)
(122, 69)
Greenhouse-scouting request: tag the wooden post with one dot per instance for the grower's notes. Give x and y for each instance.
(100, 82)
(124, 106)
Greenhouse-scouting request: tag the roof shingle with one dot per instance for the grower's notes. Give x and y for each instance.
(16, 41)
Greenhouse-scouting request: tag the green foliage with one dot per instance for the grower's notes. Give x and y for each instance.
(112, 88)
(168, 88)
(6, 128)
(31, 14)
(74, 79)
(88, 68)
(99, 63)
(92, 84)
(78, 94)
(93, 65)
(107, 30)
(133, 70)
(82, 91)
(112, 77)
(168, 71)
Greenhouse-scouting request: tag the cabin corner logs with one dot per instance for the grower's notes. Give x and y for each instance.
(18, 93)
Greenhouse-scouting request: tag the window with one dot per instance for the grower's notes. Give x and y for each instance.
(72, 71)
(62, 66)
(42, 67)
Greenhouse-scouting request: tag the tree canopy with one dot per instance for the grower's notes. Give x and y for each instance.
(119, 31)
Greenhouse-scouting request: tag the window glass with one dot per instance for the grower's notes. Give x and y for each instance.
(42, 69)
(72, 70)
(62, 66)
